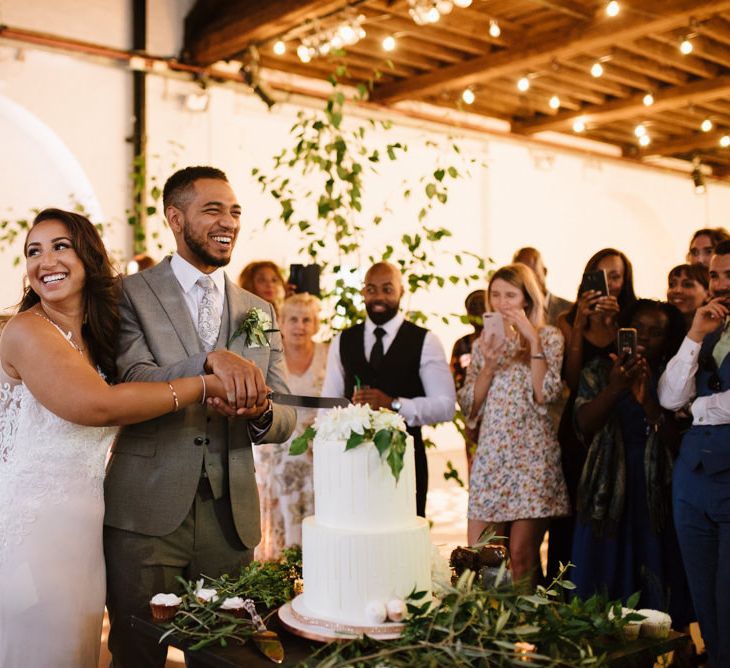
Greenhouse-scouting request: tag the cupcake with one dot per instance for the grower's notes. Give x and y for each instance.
(656, 625)
(234, 606)
(164, 606)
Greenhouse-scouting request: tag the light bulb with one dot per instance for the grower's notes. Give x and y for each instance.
(639, 130)
(597, 70)
(648, 100)
(686, 46)
(462, 3)
(494, 29)
(303, 53)
(725, 141)
(613, 8)
(389, 43)
(279, 48)
(706, 125)
(523, 84)
(432, 15)
(444, 6)
(579, 125)
(645, 140)
(336, 42)
(554, 102)
(468, 96)
(347, 34)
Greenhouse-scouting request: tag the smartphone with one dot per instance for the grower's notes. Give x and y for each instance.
(626, 342)
(305, 278)
(595, 280)
(493, 325)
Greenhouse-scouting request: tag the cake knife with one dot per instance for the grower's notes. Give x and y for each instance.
(267, 641)
(303, 401)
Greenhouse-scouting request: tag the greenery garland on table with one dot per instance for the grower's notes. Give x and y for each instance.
(494, 627)
(269, 583)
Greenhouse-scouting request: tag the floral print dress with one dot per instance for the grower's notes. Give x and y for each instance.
(516, 472)
(286, 487)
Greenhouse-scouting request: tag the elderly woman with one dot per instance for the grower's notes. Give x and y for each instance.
(285, 483)
(265, 280)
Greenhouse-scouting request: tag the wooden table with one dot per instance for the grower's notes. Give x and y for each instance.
(641, 653)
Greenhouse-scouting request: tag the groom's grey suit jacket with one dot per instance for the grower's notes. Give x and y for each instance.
(155, 466)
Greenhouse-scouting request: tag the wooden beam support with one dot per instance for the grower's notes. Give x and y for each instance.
(567, 7)
(616, 110)
(698, 140)
(216, 35)
(603, 32)
(715, 27)
(671, 56)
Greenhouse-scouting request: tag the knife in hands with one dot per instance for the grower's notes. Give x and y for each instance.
(303, 401)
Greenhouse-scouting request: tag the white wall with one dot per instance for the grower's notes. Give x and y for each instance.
(566, 204)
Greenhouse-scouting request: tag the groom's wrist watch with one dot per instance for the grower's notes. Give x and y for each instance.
(395, 404)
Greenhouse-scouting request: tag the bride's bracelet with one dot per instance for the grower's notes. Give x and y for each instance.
(176, 402)
(205, 390)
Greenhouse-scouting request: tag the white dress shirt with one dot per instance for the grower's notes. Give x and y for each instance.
(187, 276)
(439, 402)
(677, 388)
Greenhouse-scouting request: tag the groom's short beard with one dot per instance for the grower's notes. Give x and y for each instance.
(199, 250)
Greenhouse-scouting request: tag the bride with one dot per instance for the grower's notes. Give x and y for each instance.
(56, 417)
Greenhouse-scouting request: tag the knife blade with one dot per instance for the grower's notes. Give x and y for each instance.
(303, 401)
(267, 641)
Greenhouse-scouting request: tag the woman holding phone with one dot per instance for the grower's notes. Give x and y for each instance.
(590, 329)
(516, 483)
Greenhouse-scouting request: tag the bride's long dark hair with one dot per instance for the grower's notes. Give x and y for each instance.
(101, 288)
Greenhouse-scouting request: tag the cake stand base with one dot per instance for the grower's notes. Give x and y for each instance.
(295, 618)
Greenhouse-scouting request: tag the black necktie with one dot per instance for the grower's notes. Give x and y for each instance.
(376, 353)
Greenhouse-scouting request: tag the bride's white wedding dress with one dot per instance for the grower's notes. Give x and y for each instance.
(52, 575)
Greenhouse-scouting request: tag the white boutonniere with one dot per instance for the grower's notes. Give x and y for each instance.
(254, 328)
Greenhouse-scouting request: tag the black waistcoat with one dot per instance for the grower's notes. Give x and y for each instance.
(399, 373)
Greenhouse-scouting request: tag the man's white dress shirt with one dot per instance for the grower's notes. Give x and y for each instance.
(187, 276)
(439, 402)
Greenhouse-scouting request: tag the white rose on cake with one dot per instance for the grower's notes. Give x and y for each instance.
(384, 419)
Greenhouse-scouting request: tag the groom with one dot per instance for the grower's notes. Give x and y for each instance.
(180, 491)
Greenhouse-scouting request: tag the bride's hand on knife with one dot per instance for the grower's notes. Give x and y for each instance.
(219, 399)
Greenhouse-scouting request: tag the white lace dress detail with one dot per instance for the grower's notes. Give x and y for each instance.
(52, 576)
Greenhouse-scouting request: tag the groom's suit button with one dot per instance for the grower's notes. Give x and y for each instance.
(198, 440)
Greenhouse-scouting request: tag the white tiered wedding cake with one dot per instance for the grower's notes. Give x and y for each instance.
(364, 550)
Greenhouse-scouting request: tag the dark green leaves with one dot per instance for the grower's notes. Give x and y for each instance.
(300, 444)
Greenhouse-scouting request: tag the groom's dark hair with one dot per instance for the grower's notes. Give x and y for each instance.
(178, 188)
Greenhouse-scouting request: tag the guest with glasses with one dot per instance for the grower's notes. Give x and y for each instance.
(703, 243)
(698, 378)
(688, 289)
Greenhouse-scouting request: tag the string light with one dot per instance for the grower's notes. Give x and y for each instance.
(303, 53)
(468, 96)
(640, 130)
(644, 140)
(725, 141)
(706, 125)
(523, 84)
(424, 12)
(648, 100)
(494, 29)
(685, 46)
(463, 4)
(320, 42)
(554, 102)
(597, 70)
(444, 6)
(579, 125)
(613, 8)
(279, 48)
(389, 43)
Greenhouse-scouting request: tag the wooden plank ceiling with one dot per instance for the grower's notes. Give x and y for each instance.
(553, 45)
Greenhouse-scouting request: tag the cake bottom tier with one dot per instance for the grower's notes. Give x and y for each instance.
(345, 570)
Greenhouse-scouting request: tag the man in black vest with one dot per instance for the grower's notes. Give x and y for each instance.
(388, 362)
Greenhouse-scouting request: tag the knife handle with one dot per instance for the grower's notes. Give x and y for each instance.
(250, 607)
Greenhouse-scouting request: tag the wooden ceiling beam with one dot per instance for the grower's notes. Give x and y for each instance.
(662, 15)
(715, 27)
(642, 65)
(703, 47)
(671, 56)
(615, 110)
(686, 144)
(578, 77)
(219, 35)
(567, 7)
(549, 84)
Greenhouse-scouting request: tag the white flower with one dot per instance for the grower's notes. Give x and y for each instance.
(206, 595)
(339, 423)
(233, 603)
(385, 419)
(440, 572)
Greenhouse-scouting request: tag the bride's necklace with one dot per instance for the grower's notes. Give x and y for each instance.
(67, 335)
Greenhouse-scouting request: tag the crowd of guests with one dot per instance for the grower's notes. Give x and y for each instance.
(564, 432)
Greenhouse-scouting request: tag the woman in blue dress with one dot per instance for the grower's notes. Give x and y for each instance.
(624, 539)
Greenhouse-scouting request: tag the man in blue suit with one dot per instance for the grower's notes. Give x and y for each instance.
(698, 378)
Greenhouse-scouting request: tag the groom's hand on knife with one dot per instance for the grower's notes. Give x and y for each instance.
(243, 382)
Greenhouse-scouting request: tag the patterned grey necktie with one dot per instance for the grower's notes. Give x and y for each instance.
(209, 317)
